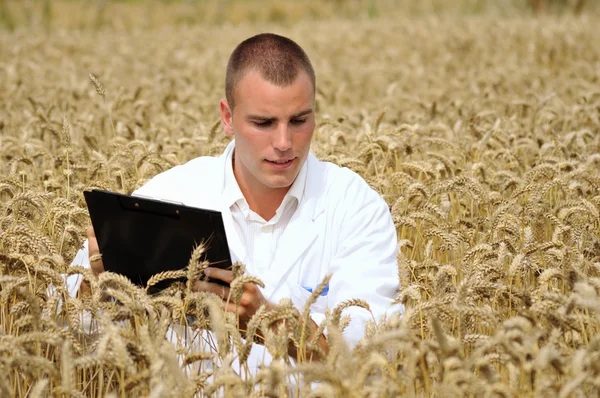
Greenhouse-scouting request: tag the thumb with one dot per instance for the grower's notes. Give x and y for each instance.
(95, 258)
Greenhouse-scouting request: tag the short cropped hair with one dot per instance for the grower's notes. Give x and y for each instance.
(278, 59)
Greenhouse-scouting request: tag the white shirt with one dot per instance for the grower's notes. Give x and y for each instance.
(258, 236)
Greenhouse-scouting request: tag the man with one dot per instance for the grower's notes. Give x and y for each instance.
(290, 218)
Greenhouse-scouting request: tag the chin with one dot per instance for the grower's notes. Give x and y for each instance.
(278, 183)
(279, 180)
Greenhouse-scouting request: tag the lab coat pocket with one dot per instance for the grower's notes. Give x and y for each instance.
(300, 296)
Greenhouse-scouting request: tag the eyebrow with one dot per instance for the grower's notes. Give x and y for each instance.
(265, 118)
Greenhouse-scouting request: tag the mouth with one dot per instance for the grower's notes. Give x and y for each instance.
(281, 163)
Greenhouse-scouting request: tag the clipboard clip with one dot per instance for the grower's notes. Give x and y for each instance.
(133, 203)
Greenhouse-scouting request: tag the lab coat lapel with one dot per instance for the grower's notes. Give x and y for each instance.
(297, 238)
(301, 231)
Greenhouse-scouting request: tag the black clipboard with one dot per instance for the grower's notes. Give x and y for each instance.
(140, 237)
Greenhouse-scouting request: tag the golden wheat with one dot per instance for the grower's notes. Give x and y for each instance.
(481, 135)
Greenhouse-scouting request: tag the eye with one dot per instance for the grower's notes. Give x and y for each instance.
(298, 121)
(266, 123)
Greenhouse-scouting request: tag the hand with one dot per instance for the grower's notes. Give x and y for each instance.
(252, 297)
(96, 264)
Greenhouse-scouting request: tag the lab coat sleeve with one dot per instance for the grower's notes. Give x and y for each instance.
(73, 282)
(364, 265)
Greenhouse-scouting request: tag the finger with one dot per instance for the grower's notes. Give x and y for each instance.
(224, 275)
(236, 309)
(95, 257)
(90, 232)
(209, 287)
(92, 241)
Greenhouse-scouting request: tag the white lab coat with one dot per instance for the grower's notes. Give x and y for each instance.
(341, 226)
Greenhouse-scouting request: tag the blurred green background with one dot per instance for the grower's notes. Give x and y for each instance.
(139, 14)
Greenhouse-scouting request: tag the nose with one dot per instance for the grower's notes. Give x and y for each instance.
(283, 138)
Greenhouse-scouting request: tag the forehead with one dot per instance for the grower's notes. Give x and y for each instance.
(255, 93)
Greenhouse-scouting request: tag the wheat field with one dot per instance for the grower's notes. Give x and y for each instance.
(481, 133)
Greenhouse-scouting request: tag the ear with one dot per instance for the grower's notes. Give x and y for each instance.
(226, 117)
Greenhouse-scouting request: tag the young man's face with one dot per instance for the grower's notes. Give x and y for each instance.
(272, 127)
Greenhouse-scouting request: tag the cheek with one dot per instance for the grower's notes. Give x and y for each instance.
(245, 134)
(305, 134)
(252, 143)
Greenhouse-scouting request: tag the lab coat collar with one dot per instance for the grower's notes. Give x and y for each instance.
(297, 189)
(231, 190)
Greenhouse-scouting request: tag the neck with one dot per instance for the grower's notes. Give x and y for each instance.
(261, 200)
(264, 204)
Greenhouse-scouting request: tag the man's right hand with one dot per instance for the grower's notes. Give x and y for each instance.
(96, 263)
(95, 258)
